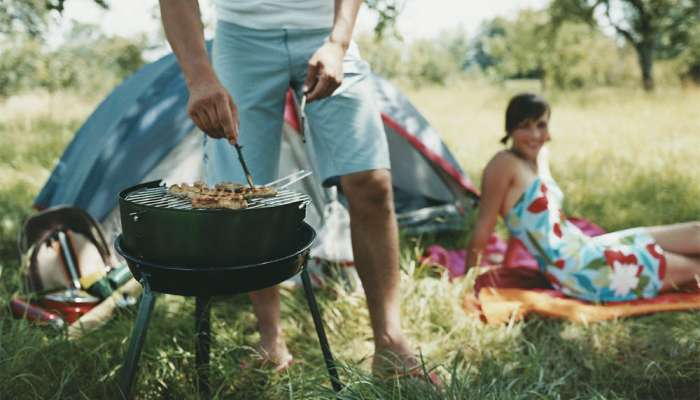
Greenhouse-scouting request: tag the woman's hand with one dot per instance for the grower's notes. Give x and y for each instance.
(325, 71)
(212, 109)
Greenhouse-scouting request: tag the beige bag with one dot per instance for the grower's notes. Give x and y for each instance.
(62, 248)
(51, 266)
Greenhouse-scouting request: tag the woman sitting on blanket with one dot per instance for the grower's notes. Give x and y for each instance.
(619, 266)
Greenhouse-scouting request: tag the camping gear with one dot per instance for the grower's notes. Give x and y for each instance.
(60, 247)
(104, 285)
(166, 230)
(248, 176)
(141, 132)
(100, 288)
(24, 309)
(206, 282)
(119, 276)
(70, 304)
(103, 312)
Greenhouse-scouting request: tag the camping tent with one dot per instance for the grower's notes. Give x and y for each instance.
(141, 132)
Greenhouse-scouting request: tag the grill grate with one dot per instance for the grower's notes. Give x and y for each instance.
(161, 197)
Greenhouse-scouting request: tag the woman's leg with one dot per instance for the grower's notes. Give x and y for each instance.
(680, 270)
(681, 238)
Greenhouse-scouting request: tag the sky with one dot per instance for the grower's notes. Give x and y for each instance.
(419, 18)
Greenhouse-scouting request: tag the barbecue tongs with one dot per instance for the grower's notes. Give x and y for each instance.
(248, 176)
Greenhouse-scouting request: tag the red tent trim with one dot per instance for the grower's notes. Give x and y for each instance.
(431, 155)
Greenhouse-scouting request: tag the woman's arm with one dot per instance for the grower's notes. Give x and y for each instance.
(497, 178)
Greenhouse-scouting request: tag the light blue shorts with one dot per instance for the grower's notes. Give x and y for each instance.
(257, 67)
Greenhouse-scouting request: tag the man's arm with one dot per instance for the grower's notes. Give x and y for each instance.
(325, 72)
(210, 106)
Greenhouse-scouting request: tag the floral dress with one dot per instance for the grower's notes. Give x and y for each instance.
(617, 266)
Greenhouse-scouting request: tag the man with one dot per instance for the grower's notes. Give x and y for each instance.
(260, 50)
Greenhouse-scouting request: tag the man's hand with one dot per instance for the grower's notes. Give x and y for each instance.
(212, 109)
(325, 72)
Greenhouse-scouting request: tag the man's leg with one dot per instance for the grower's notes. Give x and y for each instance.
(253, 67)
(266, 305)
(348, 141)
(376, 250)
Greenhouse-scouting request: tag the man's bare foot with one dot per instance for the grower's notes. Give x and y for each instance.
(394, 356)
(274, 352)
(396, 359)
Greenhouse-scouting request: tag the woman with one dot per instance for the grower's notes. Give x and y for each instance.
(618, 266)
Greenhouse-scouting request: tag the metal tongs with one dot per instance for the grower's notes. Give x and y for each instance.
(302, 118)
(248, 176)
(284, 182)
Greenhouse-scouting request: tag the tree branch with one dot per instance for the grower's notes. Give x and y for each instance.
(625, 33)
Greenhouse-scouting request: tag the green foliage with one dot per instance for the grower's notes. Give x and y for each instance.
(423, 62)
(89, 62)
(429, 63)
(523, 49)
(22, 16)
(480, 54)
(18, 65)
(581, 56)
(656, 29)
(387, 13)
(384, 55)
(688, 61)
(30, 16)
(565, 55)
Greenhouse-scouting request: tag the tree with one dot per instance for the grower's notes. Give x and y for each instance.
(654, 28)
(29, 16)
(479, 53)
(387, 11)
(522, 50)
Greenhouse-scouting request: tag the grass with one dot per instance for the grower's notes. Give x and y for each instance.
(622, 157)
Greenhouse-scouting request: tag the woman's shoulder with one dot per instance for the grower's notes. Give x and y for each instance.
(502, 162)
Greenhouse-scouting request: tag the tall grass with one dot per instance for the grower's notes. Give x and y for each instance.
(623, 158)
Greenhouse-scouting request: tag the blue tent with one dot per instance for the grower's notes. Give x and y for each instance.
(138, 125)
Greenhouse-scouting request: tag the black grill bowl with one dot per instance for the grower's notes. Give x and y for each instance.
(207, 281)
(207, 238)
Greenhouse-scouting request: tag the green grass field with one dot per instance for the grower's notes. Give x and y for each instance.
(622, 157)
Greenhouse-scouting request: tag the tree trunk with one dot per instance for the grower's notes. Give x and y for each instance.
(645, 54)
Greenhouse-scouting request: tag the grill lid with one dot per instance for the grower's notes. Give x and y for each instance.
(154, 195)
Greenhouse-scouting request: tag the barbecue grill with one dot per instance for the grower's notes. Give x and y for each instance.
(160, 226)
(172, 248)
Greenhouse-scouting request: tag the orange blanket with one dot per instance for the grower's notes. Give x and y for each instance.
(497, 305)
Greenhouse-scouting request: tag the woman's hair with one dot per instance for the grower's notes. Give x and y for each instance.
(523, 107)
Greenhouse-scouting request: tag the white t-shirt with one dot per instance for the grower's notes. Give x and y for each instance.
(277, 14)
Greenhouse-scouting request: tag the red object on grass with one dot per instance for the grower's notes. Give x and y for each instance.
(32, 312)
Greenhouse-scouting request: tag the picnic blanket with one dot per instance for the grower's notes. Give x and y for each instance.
(514, 287)
(505, 294)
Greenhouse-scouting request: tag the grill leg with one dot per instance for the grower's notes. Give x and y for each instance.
(138, 335)
(318, 322)
(203, 340)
